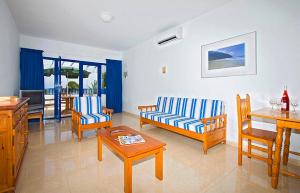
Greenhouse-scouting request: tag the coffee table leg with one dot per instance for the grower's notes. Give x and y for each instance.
(99, 148)
(127, 175)
(159, 165)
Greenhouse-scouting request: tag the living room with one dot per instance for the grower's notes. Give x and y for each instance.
(159, 71)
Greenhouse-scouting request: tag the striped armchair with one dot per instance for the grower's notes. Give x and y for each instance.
(201, 119)
(88, 113)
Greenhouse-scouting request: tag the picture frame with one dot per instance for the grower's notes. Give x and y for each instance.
(230, 57)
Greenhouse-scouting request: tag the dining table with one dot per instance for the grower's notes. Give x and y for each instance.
(285, 121)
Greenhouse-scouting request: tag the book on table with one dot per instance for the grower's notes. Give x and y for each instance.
(130, 139)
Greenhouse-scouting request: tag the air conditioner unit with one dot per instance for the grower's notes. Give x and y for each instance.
(170, 36)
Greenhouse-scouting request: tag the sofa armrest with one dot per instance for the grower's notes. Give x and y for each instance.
(107, 111)
(146, 107)
(213, 123)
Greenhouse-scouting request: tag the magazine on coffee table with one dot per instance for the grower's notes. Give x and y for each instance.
(131, 139)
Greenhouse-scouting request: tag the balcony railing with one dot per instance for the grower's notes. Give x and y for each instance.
(86, 91)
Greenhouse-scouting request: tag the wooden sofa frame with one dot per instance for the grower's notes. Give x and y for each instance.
(78, 128)
(214, 128)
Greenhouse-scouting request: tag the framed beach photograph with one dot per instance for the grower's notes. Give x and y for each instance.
(231, 57)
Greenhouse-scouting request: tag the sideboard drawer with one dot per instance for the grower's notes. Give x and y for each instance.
(18, 115)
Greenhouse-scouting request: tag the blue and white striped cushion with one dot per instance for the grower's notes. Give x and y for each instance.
(177, 106)
(88, 105)
(159, 103)
(162, 118)
(163, 104)
(169, 105)
(186, 107)
(187, 123)
(185, 113)
(190, 107)
(208, 108)
(195, 126)
(179, 121)
(77, 104)
(96, 104)
(85, 108)
(169, 118)
(94, 118)
(153, 115)
(200, 109)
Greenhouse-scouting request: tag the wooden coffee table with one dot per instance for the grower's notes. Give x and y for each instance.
(132, 152)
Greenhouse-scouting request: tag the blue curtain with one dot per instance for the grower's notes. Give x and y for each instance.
(114, 85)
(32, 69)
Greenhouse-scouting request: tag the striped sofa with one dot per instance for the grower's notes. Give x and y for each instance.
(201, 119)
(88, 113)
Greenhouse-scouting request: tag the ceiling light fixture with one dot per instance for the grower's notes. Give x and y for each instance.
(106, 17)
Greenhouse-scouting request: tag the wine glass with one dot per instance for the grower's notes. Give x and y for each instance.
(272, 102)
(278, 104)
(294, 103)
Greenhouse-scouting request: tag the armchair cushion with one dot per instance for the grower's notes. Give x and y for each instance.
(88, 105)
(94, 118)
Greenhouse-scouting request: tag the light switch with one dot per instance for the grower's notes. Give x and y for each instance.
(164, 69)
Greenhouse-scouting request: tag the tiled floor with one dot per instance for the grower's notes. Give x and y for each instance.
(57, 163)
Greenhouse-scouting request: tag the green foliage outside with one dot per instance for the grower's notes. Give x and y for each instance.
(94, 86)
(73, 85)
(103, 80)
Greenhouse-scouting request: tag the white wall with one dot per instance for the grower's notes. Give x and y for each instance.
(53, 48)
(277, 24)
(9, 52)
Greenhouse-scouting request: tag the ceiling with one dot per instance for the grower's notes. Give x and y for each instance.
(78, 21)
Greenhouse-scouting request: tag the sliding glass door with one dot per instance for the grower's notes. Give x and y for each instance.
(103, 84)
(93, 80)
(90, 79)
(65, 79)
(49, 66)
(70, 86)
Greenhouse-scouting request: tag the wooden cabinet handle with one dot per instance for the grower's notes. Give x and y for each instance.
(2, 146)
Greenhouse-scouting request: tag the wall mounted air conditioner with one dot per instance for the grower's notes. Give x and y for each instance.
(170, 36)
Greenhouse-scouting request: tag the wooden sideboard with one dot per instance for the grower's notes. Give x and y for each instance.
(13, 139)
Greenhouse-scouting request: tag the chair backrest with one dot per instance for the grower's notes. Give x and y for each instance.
(190, 107)
(88, 104)
(243, 108)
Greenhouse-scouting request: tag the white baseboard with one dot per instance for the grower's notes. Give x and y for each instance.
(131, 114)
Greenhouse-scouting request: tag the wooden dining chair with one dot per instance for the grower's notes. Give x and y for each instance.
(246, 131)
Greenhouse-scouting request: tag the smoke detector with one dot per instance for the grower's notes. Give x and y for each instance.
(106, 17)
